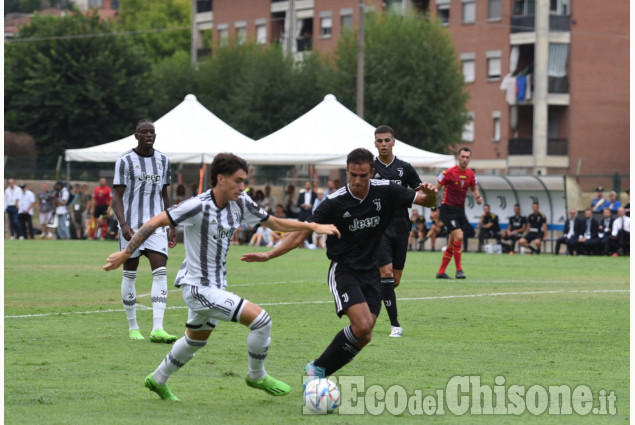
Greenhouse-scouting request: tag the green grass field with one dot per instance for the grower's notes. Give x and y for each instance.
(534, 320)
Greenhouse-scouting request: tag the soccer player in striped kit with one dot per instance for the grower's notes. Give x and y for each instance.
(142, 177)
(209, 222)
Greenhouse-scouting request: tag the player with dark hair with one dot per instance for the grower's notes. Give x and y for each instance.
(209, 221)
(394, 244)
(457, 180)
(142, 177)
(362, 211)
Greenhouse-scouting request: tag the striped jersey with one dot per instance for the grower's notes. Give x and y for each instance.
(143, 178)
(208, 232)
(361, 222)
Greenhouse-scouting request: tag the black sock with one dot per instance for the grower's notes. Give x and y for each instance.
(339, 352)
(390, 299)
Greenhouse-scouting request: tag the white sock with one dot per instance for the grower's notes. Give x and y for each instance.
(182, 352)
(129, 297)
(159, 295)
(258, 342)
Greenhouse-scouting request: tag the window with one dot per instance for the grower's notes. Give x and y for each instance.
(494, 10)
(346, 19)
(443, 13)
(468, 130)
(241, 32)
(496, 116)
(467, 63)
(493, 64)
(261, 31)
(223, 35)
(469, 11)
(326, 24)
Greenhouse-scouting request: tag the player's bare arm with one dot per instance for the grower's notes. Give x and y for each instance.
(115, 259)
(117, 206)
(476, 195)
(286, 225)
(426, 195)
(292, 241)
(172, 231)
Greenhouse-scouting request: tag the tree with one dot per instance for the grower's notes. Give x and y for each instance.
(413, 81)
(73, 92)
(169, 21)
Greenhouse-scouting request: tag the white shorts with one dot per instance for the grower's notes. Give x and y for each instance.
(45, 217)
(208, 304)
(157, 242)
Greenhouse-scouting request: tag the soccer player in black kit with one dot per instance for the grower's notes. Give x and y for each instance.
(394, 244)
(361, 211)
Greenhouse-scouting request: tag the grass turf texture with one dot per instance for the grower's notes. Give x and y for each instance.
(542, 320)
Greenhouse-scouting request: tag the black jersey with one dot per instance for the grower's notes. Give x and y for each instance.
(402, 173)
(536, 222)
(361, 222)
(516, 222)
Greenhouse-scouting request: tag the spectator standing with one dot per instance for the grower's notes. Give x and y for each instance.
(306, 199)
(81, 202)
(290, 207)
(180, 195)
(612, 204)
(46, 200)
(627, 207)
(330, 188)
(61, 210)
(515, 229)
(597, 203)
(319, 240)
(26, 204)
(269, 201)
(568, 237)
(11, 197)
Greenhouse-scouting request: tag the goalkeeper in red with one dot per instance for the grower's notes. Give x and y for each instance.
(456, 180)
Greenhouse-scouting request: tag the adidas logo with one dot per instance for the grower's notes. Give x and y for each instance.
(214, 221)
(346, 215)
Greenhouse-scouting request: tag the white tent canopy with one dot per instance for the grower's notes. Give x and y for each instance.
(325, 135)
(189, 133)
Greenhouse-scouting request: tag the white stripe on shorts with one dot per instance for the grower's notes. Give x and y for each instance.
(333, 287)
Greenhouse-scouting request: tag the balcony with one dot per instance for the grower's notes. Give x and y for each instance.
(526, 23)
(524, 146)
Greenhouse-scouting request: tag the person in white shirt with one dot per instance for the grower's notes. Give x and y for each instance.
(319, 240)
(11, 196)
(621, 231)
(26, 203)
(61, 211)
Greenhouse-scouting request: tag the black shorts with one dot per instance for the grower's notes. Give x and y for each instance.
(350, 287)
(533, 235)
(393, 249)
(100, 210)
(453, 217)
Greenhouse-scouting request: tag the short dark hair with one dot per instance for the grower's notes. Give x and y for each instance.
(142, 121)
(384, 129)
(517, 205)
(465, 149)
(360, 156)
(226, 164)
(486, 205)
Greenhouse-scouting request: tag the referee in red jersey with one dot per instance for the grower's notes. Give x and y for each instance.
(456, 180)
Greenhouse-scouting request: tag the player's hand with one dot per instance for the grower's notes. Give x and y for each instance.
(479, 199)
(327, 229)
(172, 237)
(430, 191)
(256, 257)
(115, 259)
(127, 232)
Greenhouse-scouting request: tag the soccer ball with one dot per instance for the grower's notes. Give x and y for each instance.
(321, 396)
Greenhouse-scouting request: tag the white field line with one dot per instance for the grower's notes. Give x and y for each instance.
(440, 297)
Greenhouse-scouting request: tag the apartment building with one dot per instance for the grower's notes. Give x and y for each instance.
(548, 79)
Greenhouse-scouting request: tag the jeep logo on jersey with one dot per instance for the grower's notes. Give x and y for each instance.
(149, 178)
(223, 234)
(364, 223)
